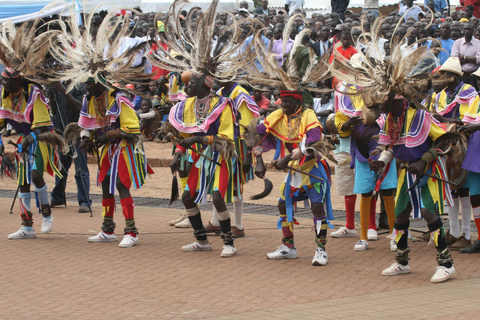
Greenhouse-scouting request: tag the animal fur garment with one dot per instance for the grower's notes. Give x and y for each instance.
(100, 58)
(285, 77)
(225, 147)
(376, 77)
(7, 167)
(323, 148)
(167, 128)
(251, 135)
(52, 138)
(192, 48)
(71, 134)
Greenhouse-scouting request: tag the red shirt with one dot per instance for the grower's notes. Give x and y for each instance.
(156, 71)
(263, 104)
(474, 3)
(347, 53)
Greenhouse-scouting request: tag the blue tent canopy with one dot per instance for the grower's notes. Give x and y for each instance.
(10, 10)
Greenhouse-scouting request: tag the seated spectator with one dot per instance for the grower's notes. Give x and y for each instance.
(323, 105)
(261, 101)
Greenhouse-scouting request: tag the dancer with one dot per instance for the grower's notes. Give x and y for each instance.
(25, 107)
(107, 119)
(451, 105)
(245, 110)
(349, 122)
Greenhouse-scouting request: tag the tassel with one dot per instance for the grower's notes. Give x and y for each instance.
(174, 195)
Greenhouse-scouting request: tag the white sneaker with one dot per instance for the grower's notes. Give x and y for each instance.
(128, 241)
(393, 246)
(396, 269)
(195, 246)
(228, 251)
(47, 225)
(22, 234)
(283, 252)
(320, 258)
(179, 219)
(372, 235)
(185, 223)
(361, 245)
(343, 232)
(103, 237)
(442, 274)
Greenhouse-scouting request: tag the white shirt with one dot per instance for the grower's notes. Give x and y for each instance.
(294, 5)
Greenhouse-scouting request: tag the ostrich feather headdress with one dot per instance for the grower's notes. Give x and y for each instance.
(285, 77)
(101, 58)
(21, 49)
(193, 43)
(377, 78)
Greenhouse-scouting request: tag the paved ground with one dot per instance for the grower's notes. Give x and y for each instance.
(62, 276)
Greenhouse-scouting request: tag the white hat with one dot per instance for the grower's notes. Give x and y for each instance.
(356, 61)
(477, 73)
(452, 65)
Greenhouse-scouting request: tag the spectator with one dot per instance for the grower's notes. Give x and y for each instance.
(410, 10)
(261, 101)
(263, 9)
(293, 5)
(467, 50)
(323, 106)
(344, 50)
(277, 47)
(323, 46)
(446, 42)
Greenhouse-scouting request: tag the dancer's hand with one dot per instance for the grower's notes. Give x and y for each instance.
(86, 144)
(247, 163)
(187, 143)
(101, 140)
(26, 142)
(175, 164)
(353, 121)
(376, 165)
(260, 168)
(469, 127)
(282, 163)
(417, 168)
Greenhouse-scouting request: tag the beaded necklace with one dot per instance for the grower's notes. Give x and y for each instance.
(293, 124)
(201, 108)
(16, 101)
(100, 105)
(395, 126)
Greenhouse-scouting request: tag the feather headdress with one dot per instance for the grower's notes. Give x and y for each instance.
(101, 58)
(376, 78)
(23, 47)
(285, 77)
(192, 47)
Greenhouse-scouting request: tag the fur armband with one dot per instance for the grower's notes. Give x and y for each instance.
(113, 135)
(430, 155)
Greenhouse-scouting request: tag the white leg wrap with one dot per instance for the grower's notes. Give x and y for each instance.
(238, 209)
(466, 216)
(453, 213)
(223, 215)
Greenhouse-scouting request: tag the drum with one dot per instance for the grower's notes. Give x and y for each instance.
(331, 124)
